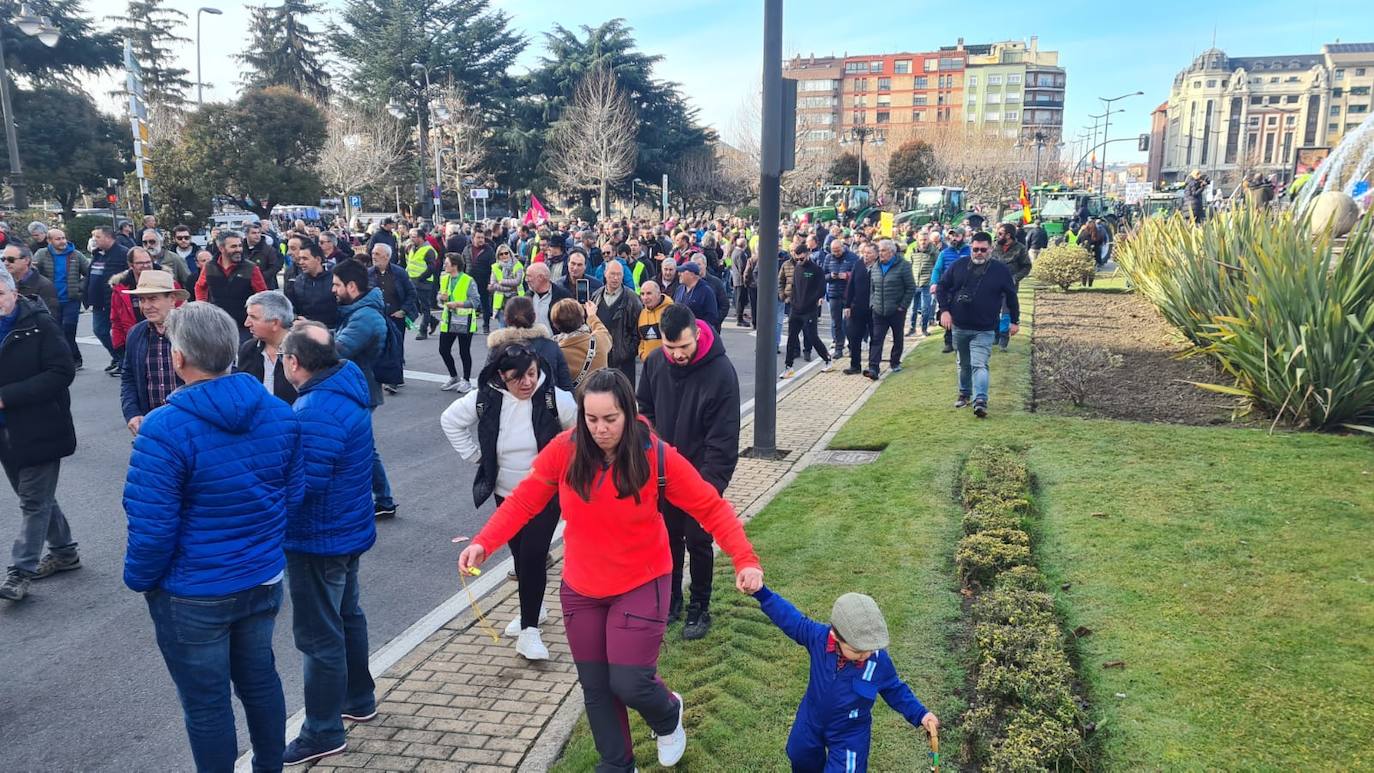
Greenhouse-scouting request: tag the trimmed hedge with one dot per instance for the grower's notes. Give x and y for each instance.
(1024, 715)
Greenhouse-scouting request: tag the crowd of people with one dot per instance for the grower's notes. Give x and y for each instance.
(607, 400)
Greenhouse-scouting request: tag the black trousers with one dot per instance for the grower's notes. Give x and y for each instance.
(628, 368)
(804, 327)
(485, 295)
(882, 325)
(464, 351)
(686, 535)
(754, 306)
(858, 328)
(530, 549)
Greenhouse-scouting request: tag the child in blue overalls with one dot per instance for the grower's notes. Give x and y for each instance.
(850, 667)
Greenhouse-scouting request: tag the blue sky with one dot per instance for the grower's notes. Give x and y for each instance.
(713, 47)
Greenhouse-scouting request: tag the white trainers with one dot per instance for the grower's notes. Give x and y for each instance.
(828, 366)
(672, 746)
(531, 647)
(464, 386)
(513, 628)
(450, 386)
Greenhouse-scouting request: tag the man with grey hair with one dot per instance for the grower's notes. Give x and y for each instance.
(667, 277)
(270, 316)
(19, 261)
(36, 433)
(168, 260)
(213, 476)
(147, 377)
(326, 537)
(38, 232)
(543, 291)
(892, 288)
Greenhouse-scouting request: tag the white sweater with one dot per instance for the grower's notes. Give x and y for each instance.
(515, 442)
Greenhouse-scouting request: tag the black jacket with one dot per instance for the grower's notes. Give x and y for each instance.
(986, 287)
(695, 407)
(808, 287)
(856, 292)
(35, 370)
(479, 265)
(722, 299)
(622, 320)
(250, 362)
(35, 284)
(266, 257)
(104, 264)
(313, 297)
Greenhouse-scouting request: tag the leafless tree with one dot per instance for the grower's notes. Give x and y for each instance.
(812, 158)
(360, 150)
(462, 136)
(593, 143)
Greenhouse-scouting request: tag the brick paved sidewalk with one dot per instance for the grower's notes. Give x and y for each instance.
(460, 702)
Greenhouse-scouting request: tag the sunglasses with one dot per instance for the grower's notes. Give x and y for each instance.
(183, 237)
(979, 249)
(13, 260)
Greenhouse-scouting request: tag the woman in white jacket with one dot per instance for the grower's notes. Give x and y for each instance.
(501, 426)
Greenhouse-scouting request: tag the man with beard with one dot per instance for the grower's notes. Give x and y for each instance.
(230, 280)
(690, 394)
(971, 294)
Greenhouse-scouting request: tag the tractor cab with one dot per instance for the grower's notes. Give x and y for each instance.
(936, 203)
(848, 203)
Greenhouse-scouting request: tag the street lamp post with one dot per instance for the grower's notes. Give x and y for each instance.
(1102, 179)
(860, 134)
(200, 85)
(438, 114)
(633, 183)
(42, 28)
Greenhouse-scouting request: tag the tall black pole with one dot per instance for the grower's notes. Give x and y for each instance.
(770, 193)
(16, 179)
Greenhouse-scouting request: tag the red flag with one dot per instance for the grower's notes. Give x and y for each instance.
(536, 214)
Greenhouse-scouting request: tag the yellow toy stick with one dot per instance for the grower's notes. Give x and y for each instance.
(935, 752)
(481, 618)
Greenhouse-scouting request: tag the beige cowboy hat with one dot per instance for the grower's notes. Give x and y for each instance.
(154, 282)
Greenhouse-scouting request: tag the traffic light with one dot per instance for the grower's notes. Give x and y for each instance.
(1143, 144)
(112, 198)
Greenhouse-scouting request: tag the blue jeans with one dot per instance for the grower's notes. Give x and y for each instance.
(71, 315)
(837, 334)
(210, 643)
(971, 351)
(331, 632)
(100, 325)
(924, 307)
(783, 310)
(381, 487)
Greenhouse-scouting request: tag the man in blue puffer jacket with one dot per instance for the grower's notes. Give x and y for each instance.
(213, 476)
(362, 338)
(325, 539)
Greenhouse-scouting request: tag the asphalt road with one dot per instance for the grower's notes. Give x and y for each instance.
(84, 686)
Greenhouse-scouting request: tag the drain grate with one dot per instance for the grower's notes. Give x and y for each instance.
(847, 458)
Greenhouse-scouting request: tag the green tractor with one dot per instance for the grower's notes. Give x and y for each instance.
(936, 203)
(849, 203)
(1039, 194)
(1161, 203)
(1063, 206)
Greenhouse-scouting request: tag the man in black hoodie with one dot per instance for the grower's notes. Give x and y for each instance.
(690, 394)
(808, 288)
(971, 294)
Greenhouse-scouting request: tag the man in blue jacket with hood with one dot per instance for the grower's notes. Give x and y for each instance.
(325, 539)
(213, 475)
(361, 337)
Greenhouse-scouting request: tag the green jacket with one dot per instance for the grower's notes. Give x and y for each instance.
(922, 262)
(1017, 259)
(892, 290)
(78, 267)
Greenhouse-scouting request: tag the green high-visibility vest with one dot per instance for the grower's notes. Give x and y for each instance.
(497, 273)
(638, 274)
(416, 265)
(1071, 235)
(456, 292)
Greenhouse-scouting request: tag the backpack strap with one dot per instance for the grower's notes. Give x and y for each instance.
(662, 477)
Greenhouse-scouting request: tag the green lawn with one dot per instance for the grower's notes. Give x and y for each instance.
(1230, 569)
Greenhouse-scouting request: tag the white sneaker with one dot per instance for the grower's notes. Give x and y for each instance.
(828, 366)
(531, 647)
(513, 629)
(464, 386)
(450, 385)
(788, 373)
(672, 746)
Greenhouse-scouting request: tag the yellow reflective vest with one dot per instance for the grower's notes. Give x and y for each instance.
(416, 261)
(456, 292)
(497, 274)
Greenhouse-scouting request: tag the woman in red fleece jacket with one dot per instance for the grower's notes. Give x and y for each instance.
(617, 569)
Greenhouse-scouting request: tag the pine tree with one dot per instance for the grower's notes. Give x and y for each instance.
(285, 51)
(150, 27)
